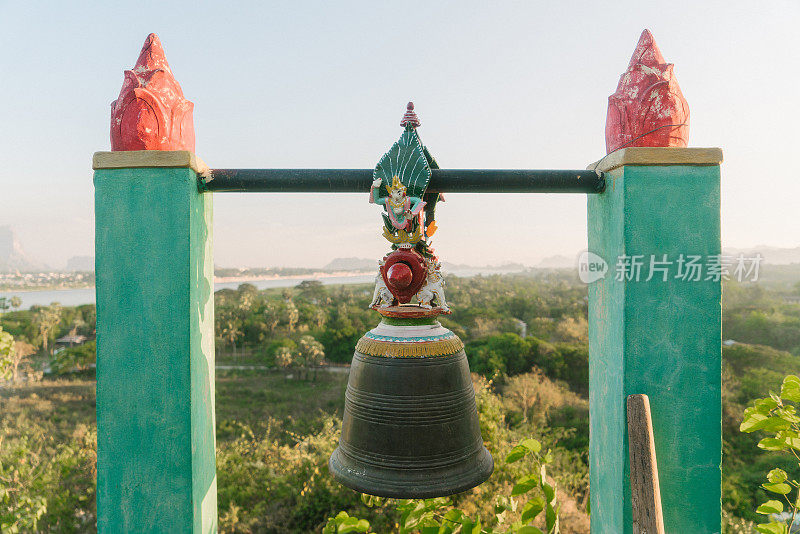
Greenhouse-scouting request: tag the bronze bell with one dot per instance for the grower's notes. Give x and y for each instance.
(410, 427)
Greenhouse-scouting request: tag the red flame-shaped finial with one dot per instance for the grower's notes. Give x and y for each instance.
(648, 108)
(410, 118)
(151, 112)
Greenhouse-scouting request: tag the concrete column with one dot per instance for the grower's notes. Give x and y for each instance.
(155, 344)
(659, 337)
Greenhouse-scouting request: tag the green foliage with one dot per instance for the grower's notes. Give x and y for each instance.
(515, 513)
(779, 328)
(74, 358)
(6, 355)
(273, 472)
(20, 325)
(343, 523)
(488, 312)
(776, 417)
(274, 438)
(746, 370)
(308, 353)
(274, 435)
(268, 485)
(47, 469)
(509, 354)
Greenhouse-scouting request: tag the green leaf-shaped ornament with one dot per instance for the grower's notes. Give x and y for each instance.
(406, 160)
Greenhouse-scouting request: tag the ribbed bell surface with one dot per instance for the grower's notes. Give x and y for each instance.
(410, 427)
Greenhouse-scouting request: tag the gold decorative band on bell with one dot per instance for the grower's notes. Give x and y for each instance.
(393, 349)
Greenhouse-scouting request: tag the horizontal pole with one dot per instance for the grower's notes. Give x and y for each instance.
(442, 180)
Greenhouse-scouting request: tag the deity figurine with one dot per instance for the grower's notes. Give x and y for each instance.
(409, 281)
(400, 208)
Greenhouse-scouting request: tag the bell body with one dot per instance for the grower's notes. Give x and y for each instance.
(410, 427)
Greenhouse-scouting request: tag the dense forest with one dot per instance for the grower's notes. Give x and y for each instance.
(280, 398)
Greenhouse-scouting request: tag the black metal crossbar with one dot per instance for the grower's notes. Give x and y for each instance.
(442, 180)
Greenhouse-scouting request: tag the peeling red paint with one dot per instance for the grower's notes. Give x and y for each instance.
(648, 99)
(151, 112)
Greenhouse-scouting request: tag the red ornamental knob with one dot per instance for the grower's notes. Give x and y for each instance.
(399, 276)
(410, 118)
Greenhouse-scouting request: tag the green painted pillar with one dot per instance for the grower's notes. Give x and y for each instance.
(660, 337)
(155, 345)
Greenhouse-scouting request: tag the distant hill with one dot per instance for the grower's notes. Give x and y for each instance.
(80, 263)
(12, 257)
(772, 255)
(557, 262)
(351, 264)
(503, 268)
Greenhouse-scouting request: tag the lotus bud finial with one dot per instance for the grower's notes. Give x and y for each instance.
(648, 108)
(151, 112)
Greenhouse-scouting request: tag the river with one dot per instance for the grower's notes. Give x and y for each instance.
(76, 297)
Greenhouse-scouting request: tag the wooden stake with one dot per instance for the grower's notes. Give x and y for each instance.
(645, 492)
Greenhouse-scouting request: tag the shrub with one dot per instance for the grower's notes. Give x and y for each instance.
(776, 416)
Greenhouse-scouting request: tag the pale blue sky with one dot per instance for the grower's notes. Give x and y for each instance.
(323, 84)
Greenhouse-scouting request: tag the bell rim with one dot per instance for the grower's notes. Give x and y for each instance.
(411, 483)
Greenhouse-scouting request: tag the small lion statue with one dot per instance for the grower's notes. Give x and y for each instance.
(432, 293)
(382, 297)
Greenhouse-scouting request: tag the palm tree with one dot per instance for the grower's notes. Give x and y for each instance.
(47, 318)
(320, 317)
(292, 315)
(523, 391)
(271, 316)
(312, 353)
(19, 355)
(230, 326)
